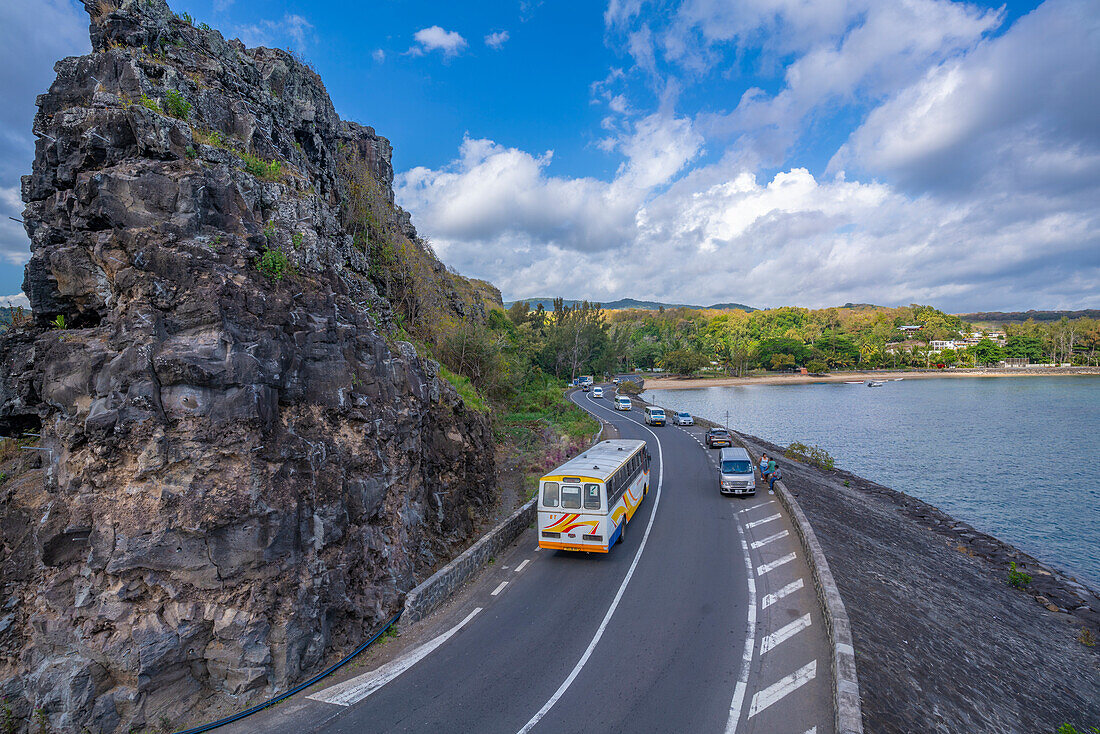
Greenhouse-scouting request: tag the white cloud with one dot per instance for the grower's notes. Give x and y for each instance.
(496, 39)
(450, 43)
(19, 299)
(379, 55)
(1019, 114)
(291, 30)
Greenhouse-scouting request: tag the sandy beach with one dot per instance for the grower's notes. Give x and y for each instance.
(683, 383)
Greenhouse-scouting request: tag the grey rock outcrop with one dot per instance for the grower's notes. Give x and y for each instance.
(241, 474)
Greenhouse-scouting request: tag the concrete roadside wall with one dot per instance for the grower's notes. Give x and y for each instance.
(437, 588)
(431, 593)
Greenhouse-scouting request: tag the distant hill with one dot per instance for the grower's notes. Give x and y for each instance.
(1001, 317)
(548, 303)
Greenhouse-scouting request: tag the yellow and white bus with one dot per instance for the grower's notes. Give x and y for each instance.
(585, 504)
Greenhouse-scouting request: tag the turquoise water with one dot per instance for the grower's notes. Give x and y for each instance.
(1018, 457)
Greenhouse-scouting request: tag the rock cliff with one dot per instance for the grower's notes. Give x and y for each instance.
(240, 469)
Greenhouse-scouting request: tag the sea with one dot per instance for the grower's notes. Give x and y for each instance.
(1016, 457)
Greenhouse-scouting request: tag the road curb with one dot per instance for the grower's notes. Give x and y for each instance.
(846, 701)
(431, 593)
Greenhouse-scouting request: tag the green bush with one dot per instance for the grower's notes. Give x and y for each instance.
(59, 322)
(274, 263)
(817, 366)
(176, 105)
(1017, 579)
(465, 389)
(813, 455)
(267, 170)
(149, 103)
(1071, 729)
(296, 240)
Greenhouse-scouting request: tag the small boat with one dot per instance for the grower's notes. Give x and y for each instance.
(853, 382)
(875, 383)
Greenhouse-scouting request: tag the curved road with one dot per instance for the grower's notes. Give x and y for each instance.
(702, 620)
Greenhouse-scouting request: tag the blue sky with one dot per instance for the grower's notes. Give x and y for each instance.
(761, 151)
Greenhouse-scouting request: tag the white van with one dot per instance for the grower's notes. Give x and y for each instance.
(597, 392)
(735, 472)
(654, 416)
(622, 403)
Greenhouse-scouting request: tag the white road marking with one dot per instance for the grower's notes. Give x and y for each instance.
(761, 504)
(784, 633)
(785, 591)
(754, 523)
(761, 570)
(614, 603)
(750, 642)
(520, 566)
(538, 548)
(356, 689)
(811, 730)
(778, 690)
(499, 589)
(761, 543)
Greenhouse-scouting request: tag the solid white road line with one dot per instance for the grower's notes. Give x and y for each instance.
(778, 690)
(761, 570)
(754, 523)
(750, 642)
(761, 543)
(614, 603)
(499, 589)
(520, 566)
(784, 633)
(758, 505)
(356, 689)
(785, 591)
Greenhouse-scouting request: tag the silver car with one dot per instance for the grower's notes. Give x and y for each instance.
(684, 419)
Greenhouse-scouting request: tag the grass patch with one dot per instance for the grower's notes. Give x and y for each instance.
(812, 455)
(465, 390)
(149, 103)
(267, 170)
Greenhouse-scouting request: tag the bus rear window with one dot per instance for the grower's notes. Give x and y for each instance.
(549, 494)
(570, 497)
(591, 496)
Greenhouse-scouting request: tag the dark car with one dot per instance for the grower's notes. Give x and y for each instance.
(718, 437)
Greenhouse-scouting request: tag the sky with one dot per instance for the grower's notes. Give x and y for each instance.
(768, 152)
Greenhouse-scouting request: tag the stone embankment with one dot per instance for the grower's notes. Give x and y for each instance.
(942, 642)
(240, 471)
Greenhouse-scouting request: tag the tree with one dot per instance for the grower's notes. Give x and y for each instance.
(683, 361)
(986, 352)
(1024, 347)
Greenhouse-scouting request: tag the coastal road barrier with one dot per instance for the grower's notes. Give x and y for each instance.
(435, 590)
(847, 707)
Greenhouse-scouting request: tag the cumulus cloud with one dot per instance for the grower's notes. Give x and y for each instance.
(19, 299)
(450, 43)
(379, 55)
(1018, 114)
(496, 39)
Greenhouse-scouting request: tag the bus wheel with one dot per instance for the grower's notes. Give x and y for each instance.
(646, 490)
(622, 533)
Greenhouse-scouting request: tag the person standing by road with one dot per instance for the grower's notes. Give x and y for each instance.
(764, 467)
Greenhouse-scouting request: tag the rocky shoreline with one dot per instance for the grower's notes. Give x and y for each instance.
(943, 643)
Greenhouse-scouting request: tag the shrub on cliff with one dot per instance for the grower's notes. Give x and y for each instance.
(267, 170)
(176, 106)
(813, 455)
(274, 263)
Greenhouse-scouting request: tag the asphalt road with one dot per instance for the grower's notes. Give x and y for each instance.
(663, 634)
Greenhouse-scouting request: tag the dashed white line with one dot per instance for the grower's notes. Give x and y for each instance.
(614, 602)
(499, 589)
(750, 642)
(358, 688)
(783, 687)
(785, 591)
(761, 543)
(754, 523)
(761, 570)
(520, 566)
(757, 506)
(784, 633)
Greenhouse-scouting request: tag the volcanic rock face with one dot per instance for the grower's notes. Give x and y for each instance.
(240, 474)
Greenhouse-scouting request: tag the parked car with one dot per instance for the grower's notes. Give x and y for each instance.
(597, 392)
(735, 472)
(718, 437)
(684, 419)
